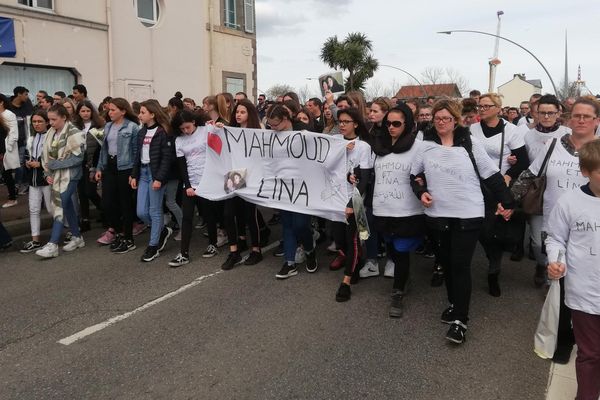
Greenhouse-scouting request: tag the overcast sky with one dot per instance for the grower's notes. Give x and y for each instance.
(290, 34)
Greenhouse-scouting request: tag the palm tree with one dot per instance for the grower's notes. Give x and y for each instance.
(353, 55)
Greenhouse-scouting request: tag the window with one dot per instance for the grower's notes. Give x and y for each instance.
(148, 12)
(249, 16)
(234, 84)
(37, 3)
(230, 14)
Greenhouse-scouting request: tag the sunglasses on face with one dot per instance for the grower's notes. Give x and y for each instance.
(395, 124)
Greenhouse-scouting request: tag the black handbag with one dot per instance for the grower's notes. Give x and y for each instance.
(533, 200)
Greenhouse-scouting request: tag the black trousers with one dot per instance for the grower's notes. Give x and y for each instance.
(189, 204)
(456, 244)
(401, 260)
(237, 214)
(346, 237)
(117, 199)
(9, 180)
(87, 191)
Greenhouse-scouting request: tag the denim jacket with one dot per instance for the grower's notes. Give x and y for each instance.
(127, 148)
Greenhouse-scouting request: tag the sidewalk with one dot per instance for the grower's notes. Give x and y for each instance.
(562, 383)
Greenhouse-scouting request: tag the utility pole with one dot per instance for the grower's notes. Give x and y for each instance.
(495, 61)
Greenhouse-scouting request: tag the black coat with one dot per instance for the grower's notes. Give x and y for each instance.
(161, 154)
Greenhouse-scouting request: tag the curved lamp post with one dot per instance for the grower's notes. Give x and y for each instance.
(510, 41)
(409, 74)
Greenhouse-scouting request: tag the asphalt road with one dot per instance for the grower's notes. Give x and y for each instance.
(242, 334)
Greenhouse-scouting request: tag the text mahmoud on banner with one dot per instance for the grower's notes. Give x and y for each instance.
(297, 171)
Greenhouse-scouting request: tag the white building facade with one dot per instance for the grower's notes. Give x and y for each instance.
(136, 49)
(518, 89)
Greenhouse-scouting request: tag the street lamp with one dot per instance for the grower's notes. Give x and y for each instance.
(510, 41)
(409, 74)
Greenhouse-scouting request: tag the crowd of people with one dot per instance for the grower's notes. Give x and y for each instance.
(461, 168)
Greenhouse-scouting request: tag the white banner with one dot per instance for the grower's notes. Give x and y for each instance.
(297, 171)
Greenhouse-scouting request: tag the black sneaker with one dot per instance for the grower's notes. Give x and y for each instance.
(456, 333)
(562, 354)
(428, 254)
(164, 237)
(125, 246)
(67, 238)
(211, 251)
(396, 308)
(275, 219)
(343, 293)
(518, 253)
(279, 252)
(437, 277)
(264, 237)
(448, 315)
(253, 258)
(6, 246)
(233, 259)
(150, 254)
(420, 249)
(179, 260)
(30, 246)
(287, 271)
(311, 261)
(116, 243)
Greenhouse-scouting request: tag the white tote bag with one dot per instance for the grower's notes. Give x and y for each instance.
(547, 329)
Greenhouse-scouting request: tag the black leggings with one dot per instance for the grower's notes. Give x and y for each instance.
(237, 214)
(401, 260)
(117, 199)
(346, 237)
(456, 246)
(189, 204)
(87, 192)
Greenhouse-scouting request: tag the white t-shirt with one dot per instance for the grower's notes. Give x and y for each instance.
(146, 145)
(575, 223)
(535, 141)
(361, 157)
(562, 176)
(452, 180)
(512, 140)
(193, 148)
(392, 194)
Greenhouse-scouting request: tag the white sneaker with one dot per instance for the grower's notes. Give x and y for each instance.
(300, 256)
(371, 268)
(74, 244)
(48, 251)
(389, 269)
(222, 239)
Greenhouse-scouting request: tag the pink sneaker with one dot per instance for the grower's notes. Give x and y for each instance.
(107, 238)
(138, 228)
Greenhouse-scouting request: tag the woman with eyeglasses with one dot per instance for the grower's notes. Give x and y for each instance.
(399, 216)
(546, 129)
(500, 139)
(450, 164)
(360, 167)
(562, 175)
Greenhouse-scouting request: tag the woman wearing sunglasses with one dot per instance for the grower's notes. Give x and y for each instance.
(398, 214)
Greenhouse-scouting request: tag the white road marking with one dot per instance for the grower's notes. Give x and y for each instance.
(102, 325)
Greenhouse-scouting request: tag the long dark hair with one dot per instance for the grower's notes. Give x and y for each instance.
(197, 118)
(123, 105)
(97, 120)
(253, 118)
(160, 116)
(361, 130)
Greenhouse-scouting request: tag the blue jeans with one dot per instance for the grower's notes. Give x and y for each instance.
(296, 229)
(149, 204)
(69, 213)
